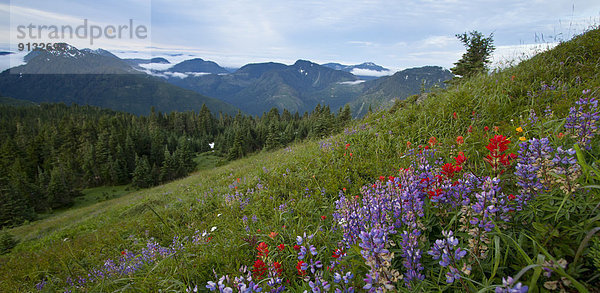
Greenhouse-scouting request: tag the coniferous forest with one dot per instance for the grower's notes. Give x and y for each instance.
(50, 152)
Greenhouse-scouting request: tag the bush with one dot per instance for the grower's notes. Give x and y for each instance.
(7, 242)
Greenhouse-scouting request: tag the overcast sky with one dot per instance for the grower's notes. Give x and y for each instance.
(395, 34)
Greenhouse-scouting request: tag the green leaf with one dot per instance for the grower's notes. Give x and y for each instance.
(587, 169)
(496, 256)
(540, 227)
(536, 272)
(558, 269)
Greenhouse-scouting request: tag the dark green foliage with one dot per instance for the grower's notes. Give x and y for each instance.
(142, 176)
(477, 57)
(15, 102)
(7, 242)
(14, 208)
(61, 191)
(49, 153)
(168, 169)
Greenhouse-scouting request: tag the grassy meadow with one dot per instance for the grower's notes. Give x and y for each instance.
(509, 162)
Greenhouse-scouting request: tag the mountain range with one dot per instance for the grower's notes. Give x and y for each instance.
(100, 78)
(366, 71)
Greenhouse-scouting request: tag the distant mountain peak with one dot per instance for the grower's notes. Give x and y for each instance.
(370, 66)
(156, 60)
(306, 63)
(198, 65)
(67, 59)
(159, 60)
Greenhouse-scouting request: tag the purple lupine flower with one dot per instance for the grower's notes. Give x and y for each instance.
(412, 256)
(582, 121)
(533, 119)
(565, 164)
(39, 286)
(210, 285)
(548, 112)
(302, 252)
(129, 262)
(313, 250)
(369, 281)
(508, 287)
(283, 207)
(314, 265)
(378, 258)
(486, 204)
(526, 171)
(533, 169)
(445, 249)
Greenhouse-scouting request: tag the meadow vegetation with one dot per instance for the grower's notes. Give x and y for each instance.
(489, 185)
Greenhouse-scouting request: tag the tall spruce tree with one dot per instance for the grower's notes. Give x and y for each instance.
(477, 57)
(142, 175)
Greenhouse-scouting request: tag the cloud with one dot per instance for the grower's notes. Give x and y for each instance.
(505, 56)
(438, 41)
(198, 73)
(395, 35)
(353, 82)
(367, 72)
(156, 66)
(361, 43)
(43, 16)
(176, 74)
(11, 60)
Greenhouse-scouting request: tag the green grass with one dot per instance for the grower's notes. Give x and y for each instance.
(89, 197)
(207, 160)
(98, 194)
(308, 177)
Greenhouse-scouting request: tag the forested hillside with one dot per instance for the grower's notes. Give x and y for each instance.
(52, 151)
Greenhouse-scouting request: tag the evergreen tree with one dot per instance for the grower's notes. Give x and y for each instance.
(60, 191)
(184, 157)
(49, 152)
(169, 167)
(16, 197)
(477, 57)
(129, 153)
(14, 209)
(345, 116)
(236, 151)
(89, 166)
(142, 176)
(273, 139)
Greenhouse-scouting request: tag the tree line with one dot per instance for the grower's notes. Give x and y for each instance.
(50, 152)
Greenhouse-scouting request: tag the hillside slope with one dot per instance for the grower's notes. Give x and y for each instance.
(257, 88)
(261, 211)
(383, 92)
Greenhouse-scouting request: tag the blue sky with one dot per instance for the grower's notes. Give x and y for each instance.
(395, 34)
